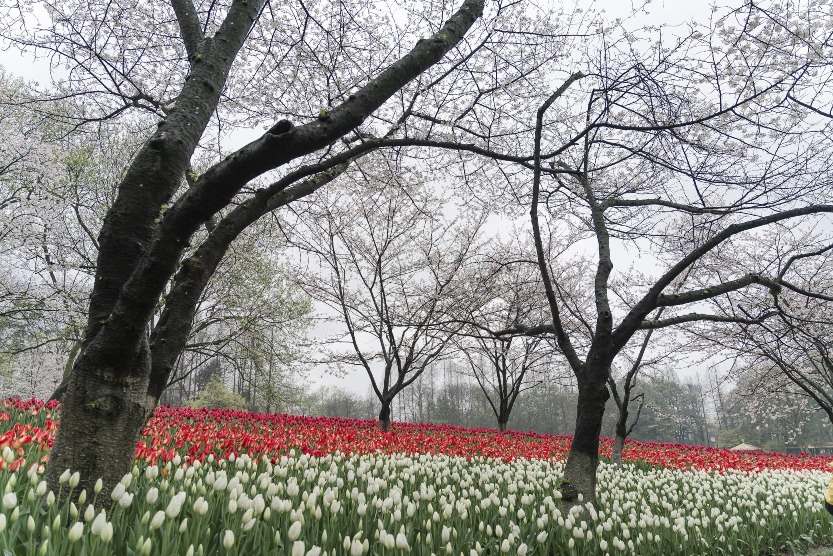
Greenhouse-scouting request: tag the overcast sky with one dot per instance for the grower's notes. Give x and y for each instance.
(673, 12)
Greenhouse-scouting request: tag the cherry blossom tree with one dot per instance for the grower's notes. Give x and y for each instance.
(789, 352)
(27, 159)
(663, 166)
(254, 319)
(504, 366)
(394, 267)
(40, 294)
(674, 146)
(50, 247)
(638, 359)
(765, 409)
(189, 73)
(625, 425)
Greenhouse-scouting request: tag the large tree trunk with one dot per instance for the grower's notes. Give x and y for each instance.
(107, 412)
(105, 402)
(583, 460)
(384, 416)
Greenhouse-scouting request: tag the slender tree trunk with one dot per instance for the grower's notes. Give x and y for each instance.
(108, 411)
(73, 353)
(384, 416)
(621, 433)
(618, 446)
(579, 486)
(503, 416)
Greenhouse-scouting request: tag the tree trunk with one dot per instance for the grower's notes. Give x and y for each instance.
(73, 353)
(384, 416)
(621, 430)
(503, 415)
(618, 445)
(583, 460)
(108, 412)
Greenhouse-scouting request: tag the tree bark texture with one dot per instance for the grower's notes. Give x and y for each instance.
(384, 416)
(102, 415)
(583, 460)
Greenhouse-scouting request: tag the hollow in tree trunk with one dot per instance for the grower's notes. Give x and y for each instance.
(583, 460)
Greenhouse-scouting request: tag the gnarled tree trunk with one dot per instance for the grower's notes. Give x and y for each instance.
(108, 412)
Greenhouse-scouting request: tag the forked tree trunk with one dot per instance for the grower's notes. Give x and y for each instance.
(583, 460)
(384, 416)
(108, 414)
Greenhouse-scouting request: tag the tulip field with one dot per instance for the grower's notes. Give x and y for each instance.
(230, 482)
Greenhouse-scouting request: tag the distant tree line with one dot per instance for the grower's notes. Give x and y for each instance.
(692, 410)
(686, 411)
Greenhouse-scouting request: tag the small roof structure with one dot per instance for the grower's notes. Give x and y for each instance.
(743, 446)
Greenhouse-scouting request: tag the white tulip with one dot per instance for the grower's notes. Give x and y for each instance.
(75, 531)
(294, 531)
(152, 495)
(107, 533)
(228, 539)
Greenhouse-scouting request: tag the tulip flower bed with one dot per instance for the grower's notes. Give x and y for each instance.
(219, 482)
